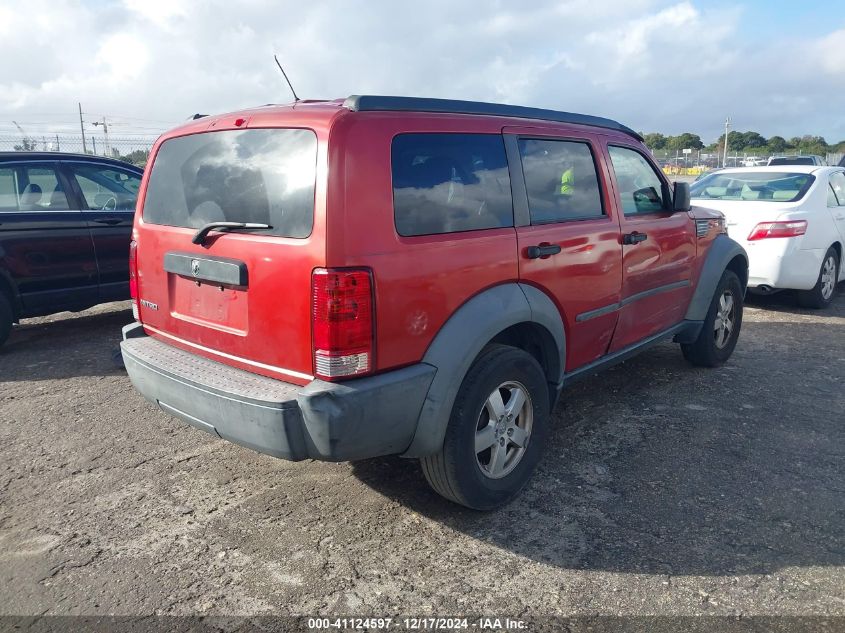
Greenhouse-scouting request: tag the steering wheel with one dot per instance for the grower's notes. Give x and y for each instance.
(111, 201)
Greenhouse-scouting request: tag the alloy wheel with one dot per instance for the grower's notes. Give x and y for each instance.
(725, 319)
(503, 429)
(828, 280)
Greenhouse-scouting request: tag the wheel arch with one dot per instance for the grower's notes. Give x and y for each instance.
(724, 254)
(513, 314)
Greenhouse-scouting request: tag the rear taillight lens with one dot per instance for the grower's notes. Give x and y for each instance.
(343, 322)
(765, 230)
(133, 277)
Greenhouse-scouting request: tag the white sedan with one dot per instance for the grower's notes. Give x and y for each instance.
(791, 221)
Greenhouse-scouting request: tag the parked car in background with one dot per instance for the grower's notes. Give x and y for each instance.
(803, 159)
(753, 161)
(385, 275)
(65, 227)
(791, 221)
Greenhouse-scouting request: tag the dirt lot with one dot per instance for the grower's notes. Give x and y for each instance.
(665, 490)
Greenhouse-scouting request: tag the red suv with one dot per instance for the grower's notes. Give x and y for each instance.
(386, 275)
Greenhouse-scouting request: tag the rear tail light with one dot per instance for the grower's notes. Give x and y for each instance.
(765, 230)
(343, 322)
(133, 278)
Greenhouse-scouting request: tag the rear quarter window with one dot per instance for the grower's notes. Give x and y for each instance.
(265, 176)
(448, 183)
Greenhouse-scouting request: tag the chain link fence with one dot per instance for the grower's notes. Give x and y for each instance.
(132, 149)
(675, 162)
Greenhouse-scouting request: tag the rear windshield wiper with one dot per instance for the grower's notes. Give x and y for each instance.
(199, 237)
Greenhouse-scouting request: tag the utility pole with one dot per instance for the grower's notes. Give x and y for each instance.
(82, 129)
(105, 134)
(727, 127)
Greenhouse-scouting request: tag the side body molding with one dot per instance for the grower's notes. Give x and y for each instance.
(722, 252)
(461, 339)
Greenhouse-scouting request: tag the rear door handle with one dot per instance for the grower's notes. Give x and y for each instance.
(542, 250)
(109, 221)
(634, 238)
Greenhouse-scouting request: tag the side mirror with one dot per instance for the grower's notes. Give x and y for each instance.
(681, 197)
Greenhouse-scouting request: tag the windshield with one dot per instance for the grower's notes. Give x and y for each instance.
(752, 185)
(265, 176)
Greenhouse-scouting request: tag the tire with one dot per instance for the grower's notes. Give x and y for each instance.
(720, 332)
(821, 295)
(481, 480)
(7, 317)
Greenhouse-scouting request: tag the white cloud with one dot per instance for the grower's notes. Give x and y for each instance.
(831, 51)
(667, 65)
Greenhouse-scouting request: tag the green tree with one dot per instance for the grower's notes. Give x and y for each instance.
(812, 145)
(655, 140)
(137, 157)
(776, 145)
(753, 140)
(687, 140)
(26, 145)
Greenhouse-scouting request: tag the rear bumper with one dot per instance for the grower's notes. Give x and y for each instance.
(357, 419)
(781, 263)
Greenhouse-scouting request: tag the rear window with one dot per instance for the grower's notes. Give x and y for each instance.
(447, 183)
(752, 185)
(261, 175)
(797, 160)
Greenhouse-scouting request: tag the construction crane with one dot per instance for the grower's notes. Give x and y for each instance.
(27, 144)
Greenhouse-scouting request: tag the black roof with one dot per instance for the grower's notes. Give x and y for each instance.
(63, 156)
(374, 103)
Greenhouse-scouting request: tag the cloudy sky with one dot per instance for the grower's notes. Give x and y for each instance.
(776, 66)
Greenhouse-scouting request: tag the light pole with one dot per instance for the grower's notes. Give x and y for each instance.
(727, 127)
(105, 134)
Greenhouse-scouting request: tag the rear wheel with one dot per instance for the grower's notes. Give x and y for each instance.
(821, 295)
(720, 332)
(7, 317)
(496, 431)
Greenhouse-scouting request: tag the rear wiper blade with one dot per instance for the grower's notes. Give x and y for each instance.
(200, 235)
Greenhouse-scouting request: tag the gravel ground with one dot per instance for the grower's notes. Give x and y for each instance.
(665, 490)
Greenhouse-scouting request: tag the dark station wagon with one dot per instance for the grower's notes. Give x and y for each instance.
(65, 227)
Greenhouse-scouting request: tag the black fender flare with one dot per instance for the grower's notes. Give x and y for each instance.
(462, 338)
(722, 252)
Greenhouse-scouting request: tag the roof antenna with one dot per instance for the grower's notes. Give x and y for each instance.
(295, 98)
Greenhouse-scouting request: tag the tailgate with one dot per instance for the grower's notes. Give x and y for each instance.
(241, 297)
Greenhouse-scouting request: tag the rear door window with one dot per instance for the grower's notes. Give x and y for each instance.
(106, 188)
(447, 183)
(837, 182)
(561, 180)
(265, 176)
(8, 190)
(33, 187)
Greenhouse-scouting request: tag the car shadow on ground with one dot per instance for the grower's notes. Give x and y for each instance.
(787, 301)
(661, 468)
(64, 346)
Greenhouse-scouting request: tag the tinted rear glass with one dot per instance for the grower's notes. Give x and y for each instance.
(792, 161)
(261, 175)
(446, 183)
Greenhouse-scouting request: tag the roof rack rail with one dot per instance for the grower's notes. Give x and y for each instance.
(375, 103)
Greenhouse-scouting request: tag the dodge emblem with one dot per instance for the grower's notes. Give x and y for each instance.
(195, 267)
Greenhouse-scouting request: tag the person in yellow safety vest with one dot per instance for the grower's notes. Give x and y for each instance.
(567, 183)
